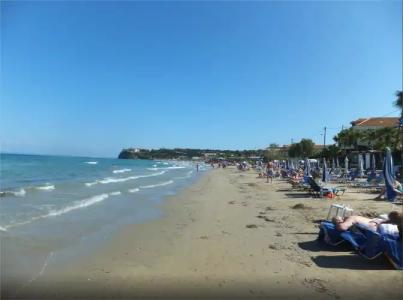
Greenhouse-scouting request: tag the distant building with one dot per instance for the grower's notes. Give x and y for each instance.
(364, 124)
(374, 123)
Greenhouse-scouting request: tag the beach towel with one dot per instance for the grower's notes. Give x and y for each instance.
(367, 243)
(389, 230)
(394, 252)
(329, 234)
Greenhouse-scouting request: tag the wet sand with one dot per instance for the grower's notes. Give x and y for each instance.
(231, 235)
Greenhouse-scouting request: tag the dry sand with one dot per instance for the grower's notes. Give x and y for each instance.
(231, 235)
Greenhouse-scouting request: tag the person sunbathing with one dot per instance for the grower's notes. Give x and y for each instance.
(345, 224)
(397, 187)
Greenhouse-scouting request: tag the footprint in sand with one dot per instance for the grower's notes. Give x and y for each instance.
(251, 226)
(320, 286)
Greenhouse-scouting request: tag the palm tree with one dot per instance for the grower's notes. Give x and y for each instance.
(398, 102)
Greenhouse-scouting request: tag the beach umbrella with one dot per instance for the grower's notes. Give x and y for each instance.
(388, 175)
(337, 163)
(346, 164)
(333, 164)
(360, 171)
(292, 165)
(373, 162)
(307, 169)
(325, 175)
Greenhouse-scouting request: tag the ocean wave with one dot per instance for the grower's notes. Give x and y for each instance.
(54, 213)
(77, 205)
(19, 193)
(121, 171)
(123, 179)
(166, 168)
(117, 193)
(188, 175)
(156, 185)
(91, 162)
(46, 187)
(3, 229)
(135, 190)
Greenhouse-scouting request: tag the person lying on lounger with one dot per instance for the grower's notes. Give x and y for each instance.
(345, 224)
(397, 187)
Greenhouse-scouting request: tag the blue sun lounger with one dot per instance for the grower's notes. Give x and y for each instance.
(394, 251)
(365, 242)
(329, 234)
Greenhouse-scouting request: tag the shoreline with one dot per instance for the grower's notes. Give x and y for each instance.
(210, 243)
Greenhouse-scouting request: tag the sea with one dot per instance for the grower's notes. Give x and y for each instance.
(63, 207)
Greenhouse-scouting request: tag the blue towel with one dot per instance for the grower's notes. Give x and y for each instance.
(330, 234)
(394, 252)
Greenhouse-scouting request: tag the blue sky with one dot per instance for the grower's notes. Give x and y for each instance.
(88, 78)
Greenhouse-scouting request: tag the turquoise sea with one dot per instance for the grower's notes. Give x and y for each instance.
(67, 206)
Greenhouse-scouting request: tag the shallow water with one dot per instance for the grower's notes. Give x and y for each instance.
(55, 208)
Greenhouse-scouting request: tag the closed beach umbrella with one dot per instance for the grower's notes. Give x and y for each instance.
(360, 171)
(307, 167)
(333, 164)
(325, 175)
(292, 165)
(373, 162)
(388, 174)
(337, 163)
(346, 165)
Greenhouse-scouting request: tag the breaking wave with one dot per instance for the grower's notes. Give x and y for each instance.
(156, 185)
(121, 171)
(115, 180)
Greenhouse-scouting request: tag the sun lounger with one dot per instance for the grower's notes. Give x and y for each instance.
(321, 191)
(367, 243)
(329, 234)
(394, 252)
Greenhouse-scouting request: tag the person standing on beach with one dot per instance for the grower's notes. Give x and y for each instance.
(269, 171)
(197, 167)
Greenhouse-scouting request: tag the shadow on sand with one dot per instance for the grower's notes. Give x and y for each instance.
(298, 195)
(352, 262)
(348, 260)
(316, 246)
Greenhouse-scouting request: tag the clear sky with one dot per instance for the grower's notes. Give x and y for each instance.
(88, 78)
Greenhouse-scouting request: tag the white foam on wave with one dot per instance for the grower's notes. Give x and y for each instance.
(166, 168)
(19, 193)
(156, 185)
(188, 175)
(54, 213)
(135, 190)
(3, 229)
(46, 187)
(78, 204)
(117, 193)
(123, 179)
(121, 171)
(91, 162)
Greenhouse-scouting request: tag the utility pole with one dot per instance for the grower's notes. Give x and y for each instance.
(324, 138)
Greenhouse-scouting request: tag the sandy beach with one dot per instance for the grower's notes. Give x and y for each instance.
(230, 235)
